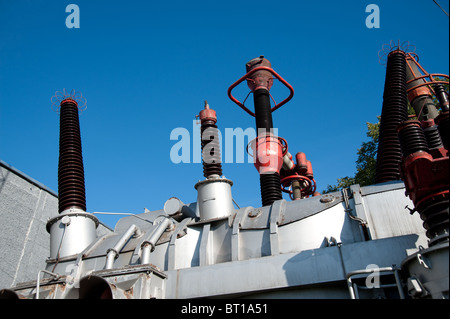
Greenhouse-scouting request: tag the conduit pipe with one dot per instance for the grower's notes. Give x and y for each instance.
(113, 253)
(149, 245)
(369, 271)
(38, 281)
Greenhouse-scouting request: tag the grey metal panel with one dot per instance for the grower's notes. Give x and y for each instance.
(280, 271)
(288, 212)
(187, 248)
(256, 218)
(24, 209)
(27, 178)
(316, 266)
(314, 231)
(171, 254)
(382, 187)
(144, 221)
(382, 252)
(254, 244)
(221, 242)
(387, 214)
(299, 209)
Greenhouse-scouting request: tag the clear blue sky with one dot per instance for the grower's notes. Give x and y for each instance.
(146, 67)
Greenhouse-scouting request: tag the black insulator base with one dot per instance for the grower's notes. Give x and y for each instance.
(71, 188)
(263, 111)
(211, 155)
(270, 188)
(412, 140)
(433, 137)
(435, 216)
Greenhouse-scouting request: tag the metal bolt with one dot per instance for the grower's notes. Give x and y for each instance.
(65, 220)
(254, 213)
(327, 199)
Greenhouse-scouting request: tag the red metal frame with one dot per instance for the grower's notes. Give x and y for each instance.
(425, 75)
(308, 190)
(277, 76)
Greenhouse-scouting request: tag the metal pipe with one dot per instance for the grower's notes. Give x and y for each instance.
(288, 163)
(112, 253)
(149, 245)
(394, 270)
(157, 233)
(421, 97)
(296, 190)
(146, 250)
(38, 281)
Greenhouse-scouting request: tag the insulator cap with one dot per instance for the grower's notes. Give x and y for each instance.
(207, 114)
(261, 78)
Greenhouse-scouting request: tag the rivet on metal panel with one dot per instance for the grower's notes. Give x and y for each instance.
(255, 213)
(65, 220)
(328, 198)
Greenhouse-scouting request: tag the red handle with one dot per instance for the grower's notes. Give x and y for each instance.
(265, 68)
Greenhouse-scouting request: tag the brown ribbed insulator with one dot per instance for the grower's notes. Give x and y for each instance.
(212, 163)
(71, 188)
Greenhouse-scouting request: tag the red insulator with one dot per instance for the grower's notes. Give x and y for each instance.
(268, 153)
(309, 171)
(302, 166)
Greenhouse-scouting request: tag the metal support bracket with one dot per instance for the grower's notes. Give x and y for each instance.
(176, 234)
(275, 217)
(235, 232)
(204, 247)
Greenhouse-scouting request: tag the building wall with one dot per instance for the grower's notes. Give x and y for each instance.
(25, 207)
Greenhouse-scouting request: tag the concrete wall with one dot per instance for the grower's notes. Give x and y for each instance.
(25, 207)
